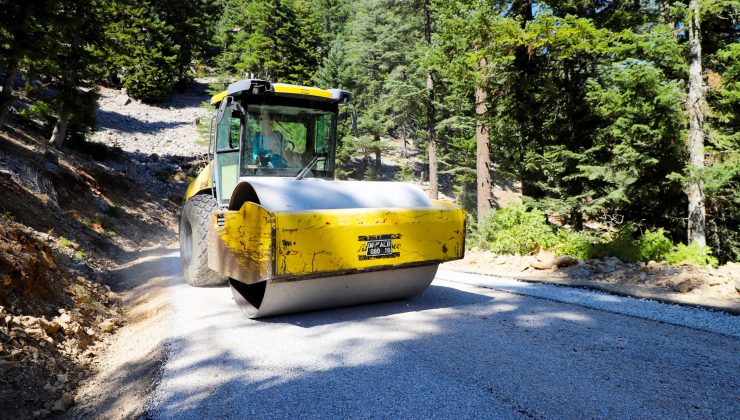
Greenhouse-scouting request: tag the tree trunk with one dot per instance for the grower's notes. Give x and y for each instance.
(483, 157)
(6, 97)
(695, 141)
(60, 128)
(431, 123)
(378, 163)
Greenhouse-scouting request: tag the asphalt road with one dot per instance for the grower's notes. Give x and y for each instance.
(461, 350)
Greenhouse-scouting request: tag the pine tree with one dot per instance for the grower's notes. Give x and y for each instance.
(19, 26)
(141, 49)
(431, 114)
(697, 109)
(67, 44)
(720, 178)
(379, 33)
(636, 147)
(193, 27)
(274, 40)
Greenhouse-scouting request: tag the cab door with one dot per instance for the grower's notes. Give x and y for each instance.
(226, 151)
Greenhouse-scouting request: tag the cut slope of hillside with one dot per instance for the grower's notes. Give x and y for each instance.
(67, 223)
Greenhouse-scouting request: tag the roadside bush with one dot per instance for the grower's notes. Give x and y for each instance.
(654, 245)
(516, 230)
(575, 244)
(693, 254)
(621, 245)
(471, 232)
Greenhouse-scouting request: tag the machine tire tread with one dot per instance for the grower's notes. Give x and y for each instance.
(197, 211)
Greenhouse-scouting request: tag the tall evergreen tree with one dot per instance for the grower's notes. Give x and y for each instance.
(193, 24)
(276, 40)
(70, 37)
(431, 114)
(140, 49)
(696, 106)
(379, 34)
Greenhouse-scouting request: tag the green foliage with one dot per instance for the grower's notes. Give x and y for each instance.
(621, 244)
(516, 230)
(586, 105)
(575, 244)
(194, 27)
(626, 167)
(39, 111)
(144, 52)
(693, 254)
(371, 174)
(64, 242)
(626, 245)
(79, 256)
(345, 158)
(471, 232)
(405, 173)
(335, 70)
(82, 118)
(151, 45)
(654, 246)
(8, 216)
(585, 102)
(275, 40)
(354, 157)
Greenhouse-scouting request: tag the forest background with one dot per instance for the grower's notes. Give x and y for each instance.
(619, 119)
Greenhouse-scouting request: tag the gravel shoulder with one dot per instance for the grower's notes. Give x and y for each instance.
(128, 370)
(708, 288)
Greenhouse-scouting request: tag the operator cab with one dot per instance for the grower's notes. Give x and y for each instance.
(268, 129)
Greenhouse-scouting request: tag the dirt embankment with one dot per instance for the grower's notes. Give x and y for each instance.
(69, 225)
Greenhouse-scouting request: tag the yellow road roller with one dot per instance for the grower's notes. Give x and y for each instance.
(267, 216)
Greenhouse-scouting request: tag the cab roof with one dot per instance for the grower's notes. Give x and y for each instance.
(262, 87)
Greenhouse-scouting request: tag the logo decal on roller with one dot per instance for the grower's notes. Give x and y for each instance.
(378, 246)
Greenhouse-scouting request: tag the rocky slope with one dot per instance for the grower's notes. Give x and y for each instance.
(67, 223)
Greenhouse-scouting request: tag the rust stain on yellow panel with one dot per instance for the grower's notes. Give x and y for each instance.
(351, 239)
(242, 247)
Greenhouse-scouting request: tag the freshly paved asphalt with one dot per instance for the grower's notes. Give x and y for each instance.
(462, 349)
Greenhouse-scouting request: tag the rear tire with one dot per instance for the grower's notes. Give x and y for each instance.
(196, 214)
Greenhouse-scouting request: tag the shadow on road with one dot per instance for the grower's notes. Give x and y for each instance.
(452, 352)
(435, 297)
